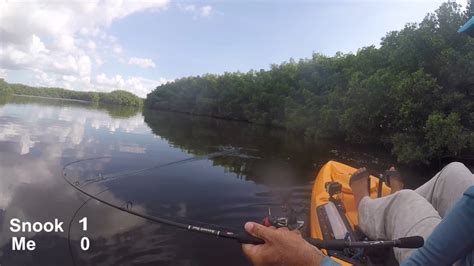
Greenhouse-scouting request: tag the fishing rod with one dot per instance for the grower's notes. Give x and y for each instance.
(340, 244)
(245, 238)
(241, 236)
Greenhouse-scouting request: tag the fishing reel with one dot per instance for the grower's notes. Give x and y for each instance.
(291, 208)
(291, 222)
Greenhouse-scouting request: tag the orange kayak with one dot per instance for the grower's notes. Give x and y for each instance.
(333, 212)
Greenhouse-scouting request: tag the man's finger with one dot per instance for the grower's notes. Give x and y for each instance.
(259, 231)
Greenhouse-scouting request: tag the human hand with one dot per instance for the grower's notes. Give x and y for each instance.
(281, 247)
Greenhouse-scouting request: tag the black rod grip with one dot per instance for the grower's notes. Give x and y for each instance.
(411, 242)
(340, 244)
(245, 238)
(335, 244)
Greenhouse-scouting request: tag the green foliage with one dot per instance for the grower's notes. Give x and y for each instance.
(120, 97)
(414, 94)
(5, 88)
(445, 133)
(442, 134)
(114, 110)
(117, 97)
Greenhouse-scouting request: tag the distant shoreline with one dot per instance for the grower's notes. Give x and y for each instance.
(52, 98)
(117, 97)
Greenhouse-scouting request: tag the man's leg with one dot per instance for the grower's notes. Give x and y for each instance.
(404, 213)
(447, 187)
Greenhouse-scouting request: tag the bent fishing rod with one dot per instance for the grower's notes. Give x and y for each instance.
(245, 238)
(242, 236)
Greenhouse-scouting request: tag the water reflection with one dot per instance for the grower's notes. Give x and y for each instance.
(36, 137)
(284, 158)
(39, 136)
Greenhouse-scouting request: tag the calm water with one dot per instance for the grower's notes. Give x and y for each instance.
(38, 137)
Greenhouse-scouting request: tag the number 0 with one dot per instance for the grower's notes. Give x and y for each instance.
(83, 221)
(85, 243)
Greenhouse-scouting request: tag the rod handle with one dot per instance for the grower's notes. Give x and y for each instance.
(336, 244)
(245, 238)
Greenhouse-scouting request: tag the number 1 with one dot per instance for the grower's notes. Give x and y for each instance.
(83, 221)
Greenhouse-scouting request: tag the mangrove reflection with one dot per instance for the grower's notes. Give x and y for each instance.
(269, 155)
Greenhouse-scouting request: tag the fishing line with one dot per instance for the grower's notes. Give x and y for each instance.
(70, 224)
(214, 230)
(69, 230)
(105, 178)
(241, 237)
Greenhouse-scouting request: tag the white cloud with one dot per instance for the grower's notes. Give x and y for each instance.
(52, 40)
(3, 73)
(43, 78)
(137, 85)
(117, 49)
(203, 11)
(91, 45)
(98, 61)
(65, 17)
(37, 46)
(141, 62)
(190, 8)
(84, 66)
(65, 42)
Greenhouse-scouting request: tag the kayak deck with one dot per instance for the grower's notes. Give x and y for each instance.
(334, 171)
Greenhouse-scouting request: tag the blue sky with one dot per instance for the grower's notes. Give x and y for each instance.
(137, 47)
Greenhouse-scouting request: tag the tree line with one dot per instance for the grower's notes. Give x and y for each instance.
(117, 97)
(413, 94)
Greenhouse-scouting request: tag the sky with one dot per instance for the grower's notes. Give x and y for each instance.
(103, 45)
